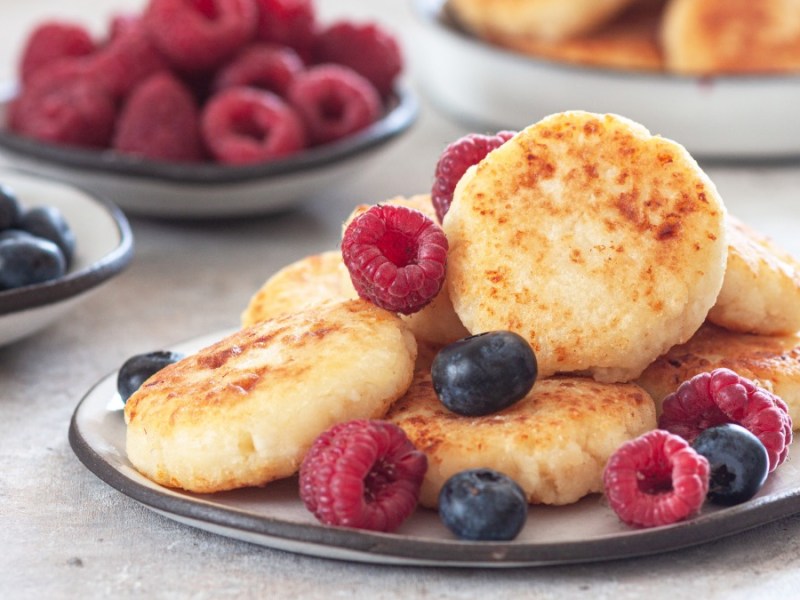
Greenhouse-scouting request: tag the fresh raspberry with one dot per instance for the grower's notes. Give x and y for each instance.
(454, 162)
(122, 23)
(245, 125)
(334, 102)
(62, 105)
(362, 474)
(722, 396)
(264, 66)
(656, 479)
(287, 22)
(50, 41)
(396, 257)
(161, 121)
(366, 48)
(200, 35)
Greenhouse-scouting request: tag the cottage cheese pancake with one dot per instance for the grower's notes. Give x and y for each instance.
(554, 443)
(244, 411)
(600, 244)
(772, 361)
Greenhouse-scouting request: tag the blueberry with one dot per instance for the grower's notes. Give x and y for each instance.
(29, 260)
(484, 373)
(48, 222)
(482, 504)
(738, 460)
(10, 210)
(137, 369)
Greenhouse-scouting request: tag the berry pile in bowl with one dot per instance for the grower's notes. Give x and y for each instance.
(210, 108)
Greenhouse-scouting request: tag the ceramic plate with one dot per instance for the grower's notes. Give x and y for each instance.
(490, 89)
(164, 190)
(274, 516)
(104, 247)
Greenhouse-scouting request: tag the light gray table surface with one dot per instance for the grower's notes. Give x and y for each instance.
(66, 534)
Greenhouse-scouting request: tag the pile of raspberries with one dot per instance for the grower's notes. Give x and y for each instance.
(231, 81)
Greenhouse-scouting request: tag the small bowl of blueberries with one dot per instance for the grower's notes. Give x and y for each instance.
(58, 243)
(178, 113)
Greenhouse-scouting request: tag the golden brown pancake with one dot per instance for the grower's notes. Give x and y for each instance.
(600, 244)
(774, 362)
(554, 442)
(244, 411)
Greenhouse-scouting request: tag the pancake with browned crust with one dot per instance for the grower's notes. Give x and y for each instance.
(244, 411)
(712, 37)
(772, 361)
(303, 283)
(629, 41)
(554, 443)
(600, 244)
(761, 290)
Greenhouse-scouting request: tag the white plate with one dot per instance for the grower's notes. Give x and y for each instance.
(274, 516)
(208, 190)
(104, 247)
(491, 89)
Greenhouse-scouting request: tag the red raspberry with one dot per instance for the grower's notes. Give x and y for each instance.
(362, 474)
(122, 23)
(656, 479)
(287, 22)
(161, 121)
(267, 67)
(366, 48)
(200, 35)
(396, 257)
(334, 102)
(52, 41)
(62, 105)
(723, 396)
(245, 125)
(454, 162)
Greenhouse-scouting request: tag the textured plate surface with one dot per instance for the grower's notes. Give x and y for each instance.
(587, 531)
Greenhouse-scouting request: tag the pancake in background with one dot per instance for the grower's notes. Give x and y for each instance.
(554, 442)
(774, 362)
(707, 37)
(761, 290)
(244, 411)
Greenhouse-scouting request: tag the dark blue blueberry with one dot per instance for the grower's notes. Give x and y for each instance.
(10, 210)
(29, 260)
(49, 223)
(138, 369)
(484, 373)
(482, 504)
(738, 460)
(15, 234)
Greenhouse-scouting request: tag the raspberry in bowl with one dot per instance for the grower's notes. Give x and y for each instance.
(205, 109)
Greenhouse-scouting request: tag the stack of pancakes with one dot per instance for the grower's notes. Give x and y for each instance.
(696, 37)
(607, 248)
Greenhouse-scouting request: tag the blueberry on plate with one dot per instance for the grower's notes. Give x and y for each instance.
(49, 223)
(484, 373)
(483, 504)
(139, 368)
(10, 210)
(26, 260)
(738, 463)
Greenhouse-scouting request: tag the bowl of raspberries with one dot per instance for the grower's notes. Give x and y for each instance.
(205, 108)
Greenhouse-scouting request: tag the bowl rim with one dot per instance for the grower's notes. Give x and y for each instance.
(435, 13)
(81, 280)
(401, 114)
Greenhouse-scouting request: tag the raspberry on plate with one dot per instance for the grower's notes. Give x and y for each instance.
(366, 48)
(244, 125)
(51, 41)
(455, 160)
(287, 22)
(264, 66)
(160, 121)
(362, 474)
(656, 479)
(334, 102)
(396, 257)
(722, 396)
(197, 35)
